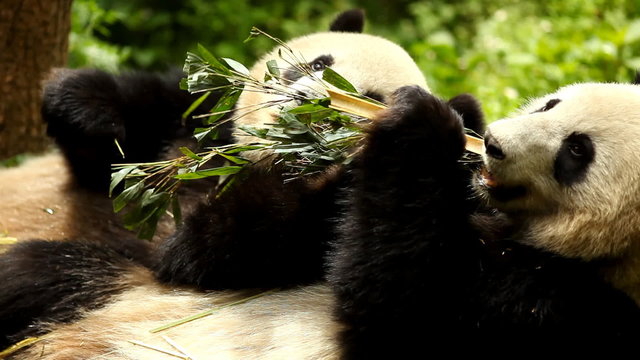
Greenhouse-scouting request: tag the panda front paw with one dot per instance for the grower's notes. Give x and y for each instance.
(418, 126)
(82, 105)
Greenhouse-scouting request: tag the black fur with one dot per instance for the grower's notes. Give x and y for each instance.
(261, 233)
(413, 275)
(573, 159)
(549, 105)
(469, 108)
(87, 110)
(349, 21)
(51, 281)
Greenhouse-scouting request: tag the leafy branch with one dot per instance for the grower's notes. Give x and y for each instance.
(307, 137)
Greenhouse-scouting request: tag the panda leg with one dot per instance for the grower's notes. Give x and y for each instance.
(407, 247)
(53, 281)
(262, 233)
(86, 110)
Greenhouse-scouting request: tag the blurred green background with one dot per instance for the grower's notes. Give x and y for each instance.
(502, 51)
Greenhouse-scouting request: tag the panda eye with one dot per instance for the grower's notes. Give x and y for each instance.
(318, 66)
(548, 106)
(321, 62)
(577, 150)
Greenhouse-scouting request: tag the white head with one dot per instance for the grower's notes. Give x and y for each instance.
(567, 168)
(375, 66)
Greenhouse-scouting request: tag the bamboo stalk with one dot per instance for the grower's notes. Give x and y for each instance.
(353, 105)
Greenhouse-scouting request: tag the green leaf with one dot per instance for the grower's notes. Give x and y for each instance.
(633, 32)
(201, 133)
(194, 105)
(224, 105)
(234, 159)
(307, 109)
(238, 149)
(189, 153)
(237, 66)
(254, 33)
(224, 170)
(335, 79)
(253, 131)
(184, 84)
(212, 60)
(117, 177)
(130, 194)
(272, 68)
(176, 211)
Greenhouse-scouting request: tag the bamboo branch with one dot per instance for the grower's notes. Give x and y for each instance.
(348, 103)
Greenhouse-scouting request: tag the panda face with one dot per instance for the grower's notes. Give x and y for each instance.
(375, 66)
(567, 168)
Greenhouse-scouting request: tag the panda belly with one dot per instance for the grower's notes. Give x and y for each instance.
(39, 199)
(292, 324)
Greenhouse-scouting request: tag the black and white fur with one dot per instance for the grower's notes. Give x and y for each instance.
(417, 260)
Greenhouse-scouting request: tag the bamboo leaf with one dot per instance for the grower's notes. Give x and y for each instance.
(335, 79)
(224, 170)
(213, 61)
(234, 159)
(254, 33)
(272, 68)
(118, 176)
(130, 194)
(195, 105)
(237, 66)
(176, 211)
(189, 153)
(223, 106)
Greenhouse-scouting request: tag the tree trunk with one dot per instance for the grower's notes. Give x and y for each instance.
(33, 38)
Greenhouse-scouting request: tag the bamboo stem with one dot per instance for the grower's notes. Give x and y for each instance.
(348, 103)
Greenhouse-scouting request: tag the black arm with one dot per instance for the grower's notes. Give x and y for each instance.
(86, 110)
(261, 233)
(408, 222)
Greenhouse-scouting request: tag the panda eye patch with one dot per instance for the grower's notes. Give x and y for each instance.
(321, 62)
(575, 155)
(548, 106)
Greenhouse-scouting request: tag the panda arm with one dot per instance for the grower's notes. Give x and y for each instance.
(409, 269)
(52, 282)
(86, 110)
(407, 248)
(261, 233)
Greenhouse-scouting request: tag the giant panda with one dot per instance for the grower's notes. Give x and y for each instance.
(85, 110)
(63, 195)
(535, 250)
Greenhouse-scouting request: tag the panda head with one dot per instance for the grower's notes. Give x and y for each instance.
(375, 66)
(566, 167)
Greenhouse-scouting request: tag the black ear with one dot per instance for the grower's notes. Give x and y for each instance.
(349, 21)
(636, 79)
(469, 108)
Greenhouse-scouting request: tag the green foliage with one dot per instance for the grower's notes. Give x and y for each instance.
(502, 51)
(90, 29)
(505, 51)
(307, 137)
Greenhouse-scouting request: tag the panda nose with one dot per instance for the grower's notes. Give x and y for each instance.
(492, 147)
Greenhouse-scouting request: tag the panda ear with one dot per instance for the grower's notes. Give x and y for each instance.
(470, 110)
(349, 21)
(636, 79)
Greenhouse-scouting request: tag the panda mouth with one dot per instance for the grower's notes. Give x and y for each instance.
(496, 190)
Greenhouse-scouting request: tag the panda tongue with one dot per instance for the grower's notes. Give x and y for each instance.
(488, 178)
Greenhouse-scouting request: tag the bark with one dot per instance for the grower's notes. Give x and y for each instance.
(33, 38)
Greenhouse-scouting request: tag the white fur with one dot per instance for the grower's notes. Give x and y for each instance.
(598, 217)
(292, 324)
(369, 62)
